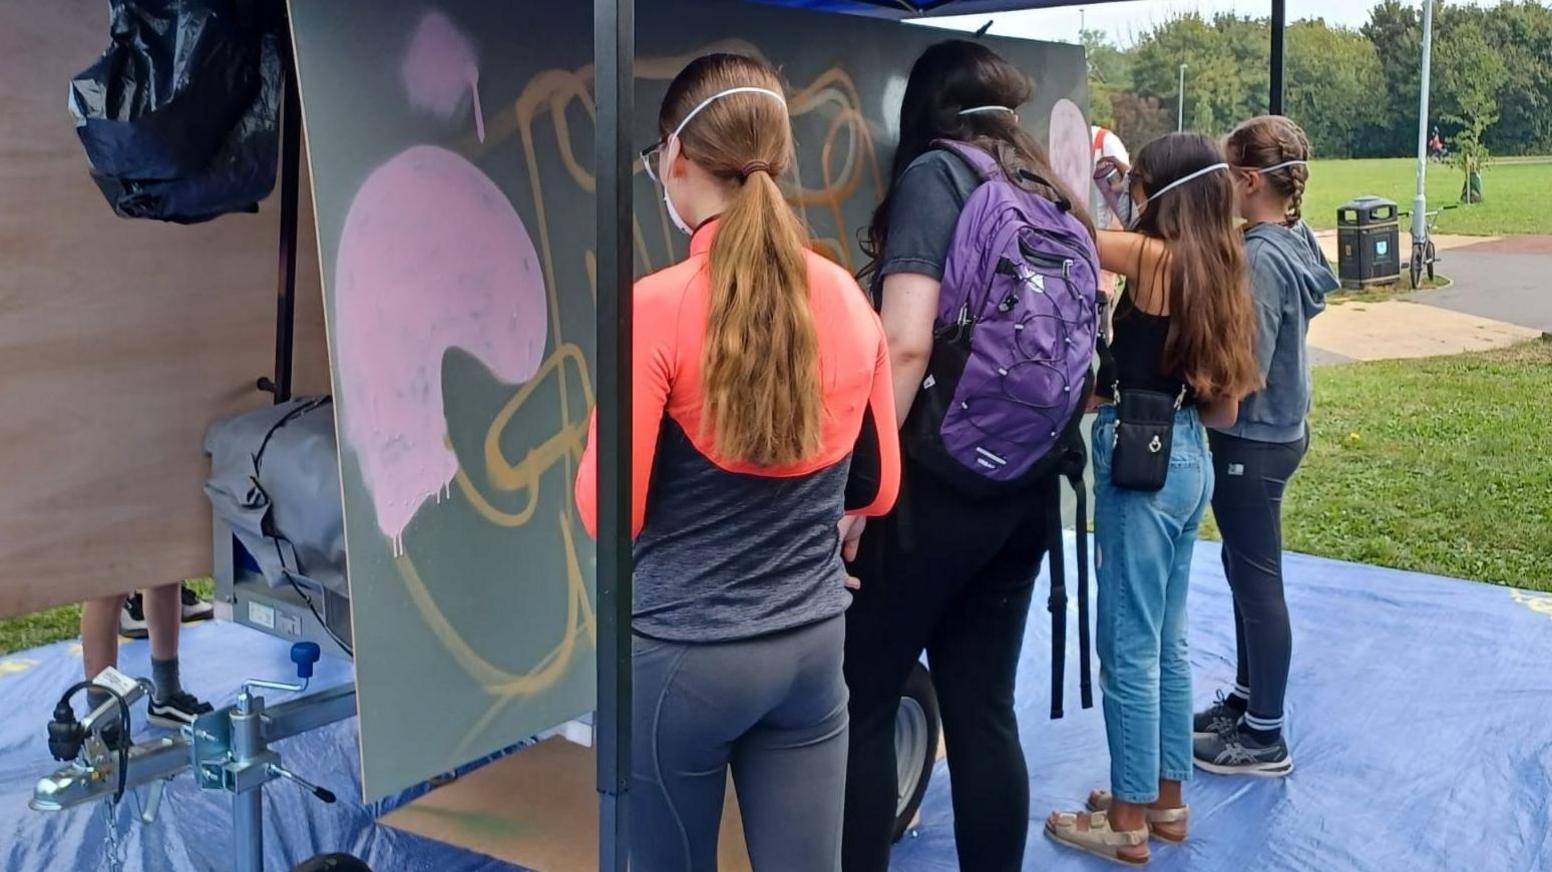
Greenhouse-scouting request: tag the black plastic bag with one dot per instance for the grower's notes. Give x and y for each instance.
(180, 116)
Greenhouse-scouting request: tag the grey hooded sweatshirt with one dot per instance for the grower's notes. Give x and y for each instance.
(1289, 277)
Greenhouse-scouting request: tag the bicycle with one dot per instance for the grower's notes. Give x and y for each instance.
(1424, 253)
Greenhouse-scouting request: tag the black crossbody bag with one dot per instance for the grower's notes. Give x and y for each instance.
(1143, 438)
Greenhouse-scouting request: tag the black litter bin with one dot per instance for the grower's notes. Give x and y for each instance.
(1369, 236)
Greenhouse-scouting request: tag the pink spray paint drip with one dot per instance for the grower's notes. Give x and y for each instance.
(440, 67)
(432, 257)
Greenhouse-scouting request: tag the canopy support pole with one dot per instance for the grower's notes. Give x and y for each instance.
(614, 44)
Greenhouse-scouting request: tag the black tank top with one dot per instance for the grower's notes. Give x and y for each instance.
(1137, 351)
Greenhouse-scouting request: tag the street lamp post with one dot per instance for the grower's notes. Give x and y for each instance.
(1420, 201)
(1180, 120)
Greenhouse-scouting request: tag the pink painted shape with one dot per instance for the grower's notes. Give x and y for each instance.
(1071, 148)
(440, 67)
(432, 257)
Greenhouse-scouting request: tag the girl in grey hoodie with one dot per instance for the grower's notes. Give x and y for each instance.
(1254, 459)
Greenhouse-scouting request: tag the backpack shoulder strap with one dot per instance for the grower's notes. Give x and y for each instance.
(984, 165)
(1099, 140)
(987, 167)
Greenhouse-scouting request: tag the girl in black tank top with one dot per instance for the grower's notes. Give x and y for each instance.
(1185, 329)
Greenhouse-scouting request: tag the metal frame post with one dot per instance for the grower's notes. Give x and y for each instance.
(614, 44)
(1277, 103)
(1420, 200)
(247, 799)
(290, 184)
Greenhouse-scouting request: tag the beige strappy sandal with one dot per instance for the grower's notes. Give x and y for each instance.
(1099, 800)
(1099, 839)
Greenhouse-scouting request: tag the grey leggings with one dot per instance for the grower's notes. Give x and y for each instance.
(774, 709)
(1248, 505)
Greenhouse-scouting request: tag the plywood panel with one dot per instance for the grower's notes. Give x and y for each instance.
(452, 154)
(538, 809)
(119, 342)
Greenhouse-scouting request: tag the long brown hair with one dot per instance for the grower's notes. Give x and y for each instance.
(1267, 141)
(760, 366)
(1212, 330)
(948, 78)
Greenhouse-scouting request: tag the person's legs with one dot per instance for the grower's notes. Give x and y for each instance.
(911, 564)
(1136, 534)
(1134, 552)
(100, 633)
(164, 615)
(1239, 695)
(974, 658)
(1248, 506)
(684, 720)
(790, 770)
(1190, 479)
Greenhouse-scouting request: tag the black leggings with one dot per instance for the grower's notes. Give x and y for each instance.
(951, 576)
(1248, 505)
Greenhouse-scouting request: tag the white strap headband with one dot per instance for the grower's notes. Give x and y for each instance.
(718, 96)
(982, 110)
(1187, 178)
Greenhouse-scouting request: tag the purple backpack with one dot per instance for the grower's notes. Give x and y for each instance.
(1013, 354)
(1012, 364)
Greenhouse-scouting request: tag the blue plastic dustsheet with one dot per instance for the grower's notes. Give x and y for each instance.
(1419, 718)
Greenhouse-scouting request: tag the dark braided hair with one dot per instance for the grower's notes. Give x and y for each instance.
(1269, 140)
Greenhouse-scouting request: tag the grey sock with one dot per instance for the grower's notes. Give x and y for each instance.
(164, 674)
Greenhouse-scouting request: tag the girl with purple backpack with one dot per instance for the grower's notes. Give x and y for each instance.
(952, 570)
(1182, 356)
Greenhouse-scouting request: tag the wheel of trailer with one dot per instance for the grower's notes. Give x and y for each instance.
(917, 732)
(333, 863)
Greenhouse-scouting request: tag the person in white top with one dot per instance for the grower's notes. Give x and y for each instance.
(1106, 144)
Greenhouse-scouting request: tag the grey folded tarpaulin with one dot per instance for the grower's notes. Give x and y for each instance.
(274, 478)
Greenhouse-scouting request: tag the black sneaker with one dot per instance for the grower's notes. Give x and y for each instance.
(1238, 753)
(194, 608)
(1220, 717)
(179, 710)
(132, 622)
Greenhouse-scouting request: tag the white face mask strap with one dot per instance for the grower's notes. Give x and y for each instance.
(1282, 166)
(718, 96)
(984, 110)
(1188, 178)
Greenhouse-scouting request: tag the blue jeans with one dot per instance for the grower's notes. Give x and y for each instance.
(1143, 544)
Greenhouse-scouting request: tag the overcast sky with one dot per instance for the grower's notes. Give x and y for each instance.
(1124, 21)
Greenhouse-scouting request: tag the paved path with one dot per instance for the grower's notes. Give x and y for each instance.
(1507, 280)
(1501, 296)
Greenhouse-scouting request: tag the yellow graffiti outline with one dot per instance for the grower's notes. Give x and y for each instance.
(552, 92)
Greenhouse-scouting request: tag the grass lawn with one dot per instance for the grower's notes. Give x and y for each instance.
(1438, 466)
(1515, 192)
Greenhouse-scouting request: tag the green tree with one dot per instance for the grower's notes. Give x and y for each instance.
(1395, 31)
(1226, 69)
(1333, 83)
(1521, 34)
(1110, 73)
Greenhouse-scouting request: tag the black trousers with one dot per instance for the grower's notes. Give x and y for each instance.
(952, 576)
(1248, 505)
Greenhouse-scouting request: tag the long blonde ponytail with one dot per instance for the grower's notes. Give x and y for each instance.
(760, 369)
